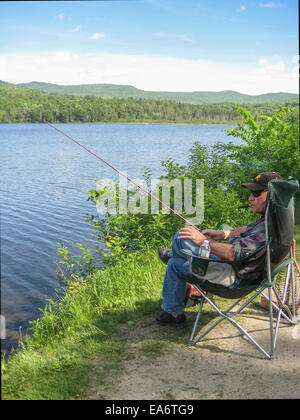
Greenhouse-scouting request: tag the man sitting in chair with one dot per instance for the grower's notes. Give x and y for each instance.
(240, 243)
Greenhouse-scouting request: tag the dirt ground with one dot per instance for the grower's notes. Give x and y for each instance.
(224, 366)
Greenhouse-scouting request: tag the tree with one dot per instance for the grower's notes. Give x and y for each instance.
(272, 145)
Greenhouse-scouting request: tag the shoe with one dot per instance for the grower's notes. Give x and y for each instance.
(163, 254)
(178, 321)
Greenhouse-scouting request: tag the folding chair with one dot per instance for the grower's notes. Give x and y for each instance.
(279, 229)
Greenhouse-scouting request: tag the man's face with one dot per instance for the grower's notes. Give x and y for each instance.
(258, 201)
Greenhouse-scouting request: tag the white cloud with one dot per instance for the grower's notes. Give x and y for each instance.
(97, 35)
(278, 70)
(60, 16)
(148, 73)
(77, 29)
(269, 68)
(242, 8)
(271, 5)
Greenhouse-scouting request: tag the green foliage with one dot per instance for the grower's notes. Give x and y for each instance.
(71, 267)
(20, 104)
(130, 232)
(213, 165)
(272, 145)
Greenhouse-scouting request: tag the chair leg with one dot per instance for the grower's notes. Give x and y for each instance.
(277, 308)
(288, 282)
(224, 316)
(204, 297)
(293, 291)
(196, 322)
(229, 318)
(282, 306)
(272, 338)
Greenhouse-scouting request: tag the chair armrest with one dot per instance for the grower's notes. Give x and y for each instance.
(199, 264)
(232, 262)
(189, 253)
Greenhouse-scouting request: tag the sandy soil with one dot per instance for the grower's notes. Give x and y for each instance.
(224, 366)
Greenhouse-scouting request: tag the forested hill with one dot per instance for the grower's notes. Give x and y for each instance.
(126, 91)
(20, 104)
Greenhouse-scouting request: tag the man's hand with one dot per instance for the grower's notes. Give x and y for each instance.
(189, 232)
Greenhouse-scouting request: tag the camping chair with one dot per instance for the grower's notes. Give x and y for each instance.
(279, 229)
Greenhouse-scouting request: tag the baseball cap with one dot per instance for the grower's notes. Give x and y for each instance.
(260, 182)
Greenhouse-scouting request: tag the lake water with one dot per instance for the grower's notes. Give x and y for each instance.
(44, 183)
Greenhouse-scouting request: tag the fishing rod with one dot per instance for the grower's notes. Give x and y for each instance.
(119, 172)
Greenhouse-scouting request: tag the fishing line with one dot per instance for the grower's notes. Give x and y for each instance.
(119, 172)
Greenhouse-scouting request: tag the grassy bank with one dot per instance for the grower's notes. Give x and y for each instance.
(55, 362)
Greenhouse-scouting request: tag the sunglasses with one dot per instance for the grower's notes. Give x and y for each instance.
(257, 193)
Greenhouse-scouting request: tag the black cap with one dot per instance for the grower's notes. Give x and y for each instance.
(260, 182)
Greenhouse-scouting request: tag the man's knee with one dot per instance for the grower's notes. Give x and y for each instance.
(180, 243)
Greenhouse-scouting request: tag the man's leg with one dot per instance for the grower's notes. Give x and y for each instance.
(174, 287)
(178, 267)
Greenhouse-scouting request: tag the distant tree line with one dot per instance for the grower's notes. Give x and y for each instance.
(25, 105)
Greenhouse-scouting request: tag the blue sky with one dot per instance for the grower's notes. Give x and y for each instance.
(172, 45)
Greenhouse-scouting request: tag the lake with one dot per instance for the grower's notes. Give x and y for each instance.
(44, 183)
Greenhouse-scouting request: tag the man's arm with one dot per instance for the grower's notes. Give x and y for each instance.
(220, 235)
(224, 251)
(236, 231)
(219, 249)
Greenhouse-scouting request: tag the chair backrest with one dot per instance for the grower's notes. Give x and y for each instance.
(279, 229)
(280, 218)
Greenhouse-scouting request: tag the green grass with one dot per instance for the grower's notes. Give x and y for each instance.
(55, 361)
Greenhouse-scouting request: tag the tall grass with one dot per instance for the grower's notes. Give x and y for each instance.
(55, 361)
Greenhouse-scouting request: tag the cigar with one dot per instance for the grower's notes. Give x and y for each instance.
(243, 207)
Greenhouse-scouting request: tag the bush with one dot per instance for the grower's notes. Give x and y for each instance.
(272, 145)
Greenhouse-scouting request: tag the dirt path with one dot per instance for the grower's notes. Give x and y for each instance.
(225, 366)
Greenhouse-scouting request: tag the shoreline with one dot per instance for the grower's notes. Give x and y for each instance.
(135, 122)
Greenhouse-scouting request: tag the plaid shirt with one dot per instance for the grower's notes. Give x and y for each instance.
(245, 244)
